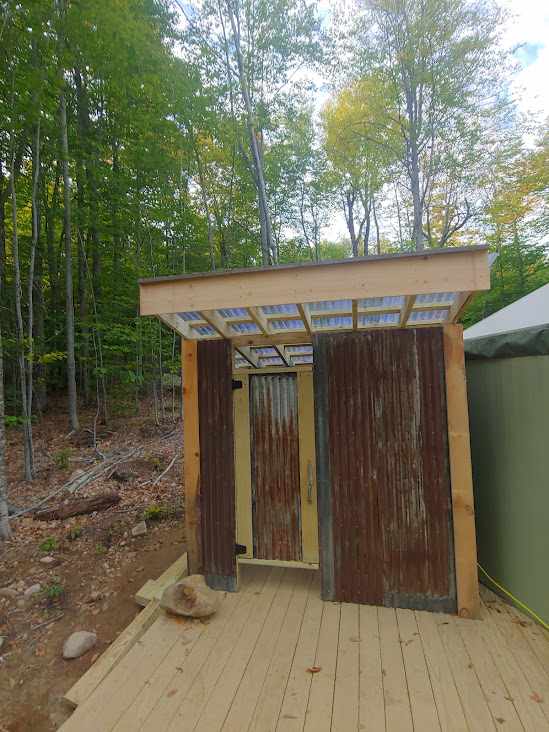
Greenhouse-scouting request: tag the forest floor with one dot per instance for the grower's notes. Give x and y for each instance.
(94, 564)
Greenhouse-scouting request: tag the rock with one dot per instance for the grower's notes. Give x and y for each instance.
(78, 643)
(122, 476)
(8, 592)
(47, 560)
(139, 529)
(190, 597)
(95, 596)
(2, 641)
(32, 590)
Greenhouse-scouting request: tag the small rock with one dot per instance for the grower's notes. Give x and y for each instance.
(21, 603)
(122, 476)
(78, 643)
(190, 597)
(2, 641)
(95, 596)
(47, 560)
(32, 590)
(8, 592)
(139, 529)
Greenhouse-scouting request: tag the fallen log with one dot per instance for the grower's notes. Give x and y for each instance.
(78, 507)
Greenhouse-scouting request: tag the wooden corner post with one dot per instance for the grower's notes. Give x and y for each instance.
(463, 507)
(191, 455)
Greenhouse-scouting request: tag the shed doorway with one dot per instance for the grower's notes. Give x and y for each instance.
(275, 467)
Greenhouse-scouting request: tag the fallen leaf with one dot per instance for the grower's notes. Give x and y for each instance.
(534, 696)
(314, 669)
(171, 692)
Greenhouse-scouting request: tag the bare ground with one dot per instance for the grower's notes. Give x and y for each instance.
(97, 566)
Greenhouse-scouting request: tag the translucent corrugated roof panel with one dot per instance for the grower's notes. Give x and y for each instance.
(375, 319)
(442, 297)
(336, 322)
(428, 316)
(191, 316)
(301, 360)
(301, 350)
(271, 361)
(234, 313)
(280, 310)
(244, 328)
(392, 301)
(280, 324)
(241, 363)
(327, 305)
(205, 330)
(264, 351)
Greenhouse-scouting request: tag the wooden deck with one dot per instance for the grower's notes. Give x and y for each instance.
(275, 657)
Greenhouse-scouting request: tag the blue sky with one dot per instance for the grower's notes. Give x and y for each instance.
(528, 30)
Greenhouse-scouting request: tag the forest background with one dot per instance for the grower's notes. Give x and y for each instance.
(149, 137)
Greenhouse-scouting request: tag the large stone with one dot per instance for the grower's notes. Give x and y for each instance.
(191, 597)
(78, 643)
(9, 592)
(32, 590)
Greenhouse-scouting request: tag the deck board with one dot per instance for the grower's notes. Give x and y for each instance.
(252, 667)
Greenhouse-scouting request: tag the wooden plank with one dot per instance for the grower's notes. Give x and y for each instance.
(269, 703)
(452, 270)
(166, 688)
(153, 589)
(476, 710)
(307, 466)
(119, 689)
(244, 702)
(243, 467)
(534, 633)
(296, 695)
(214, 713)
(285, 563)
(520, 691)
(406, 310)
(398, 713)
(345, 714)
(518, 647)
(422, 701)
(85, 685)
(463, 509)
(321, 696)
(371, 702)
(449, 709)
(191, 456)
(497, 695)
(197, 697)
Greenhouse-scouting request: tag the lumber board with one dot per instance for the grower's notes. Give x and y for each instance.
(319, 711)
(371, 706)
(345, 713)
(191, 455)
(87, 683)
(461, 476)
(153, 589)
(398, 713)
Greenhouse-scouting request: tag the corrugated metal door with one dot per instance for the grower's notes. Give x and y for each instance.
(276, 509)
(383, 473)
(217, 483)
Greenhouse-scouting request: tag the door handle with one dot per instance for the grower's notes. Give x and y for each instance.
(309, 482)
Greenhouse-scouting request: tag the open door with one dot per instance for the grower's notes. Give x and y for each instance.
(275, 467)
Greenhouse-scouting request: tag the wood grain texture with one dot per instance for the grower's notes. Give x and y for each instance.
(191, 455)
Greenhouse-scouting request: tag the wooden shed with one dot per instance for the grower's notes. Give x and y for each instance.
(326, 426)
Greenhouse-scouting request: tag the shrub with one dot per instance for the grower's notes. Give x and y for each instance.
(49, 544)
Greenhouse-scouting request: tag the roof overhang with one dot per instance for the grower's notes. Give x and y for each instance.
(285, 305)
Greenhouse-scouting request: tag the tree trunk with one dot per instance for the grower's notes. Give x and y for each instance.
(78, 507)
(32, 263)
(268, 253)
(20, 334)
(5, 531)
(69, 302)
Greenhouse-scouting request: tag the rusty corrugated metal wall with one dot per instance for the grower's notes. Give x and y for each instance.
(217, 485)
(383, 472)
(276, 502)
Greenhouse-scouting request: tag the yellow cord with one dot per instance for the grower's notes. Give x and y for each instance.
(518, 602)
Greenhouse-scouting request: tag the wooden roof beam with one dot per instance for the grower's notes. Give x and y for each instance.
(406, 310)
(427, 272)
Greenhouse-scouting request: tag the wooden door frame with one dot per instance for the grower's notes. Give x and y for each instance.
(243, 467)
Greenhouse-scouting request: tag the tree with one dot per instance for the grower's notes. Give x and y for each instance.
(440, 59)
(362, 145)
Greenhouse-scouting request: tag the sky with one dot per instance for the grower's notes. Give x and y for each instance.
(528, 30)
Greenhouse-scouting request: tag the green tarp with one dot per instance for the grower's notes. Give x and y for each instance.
(525, 342)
